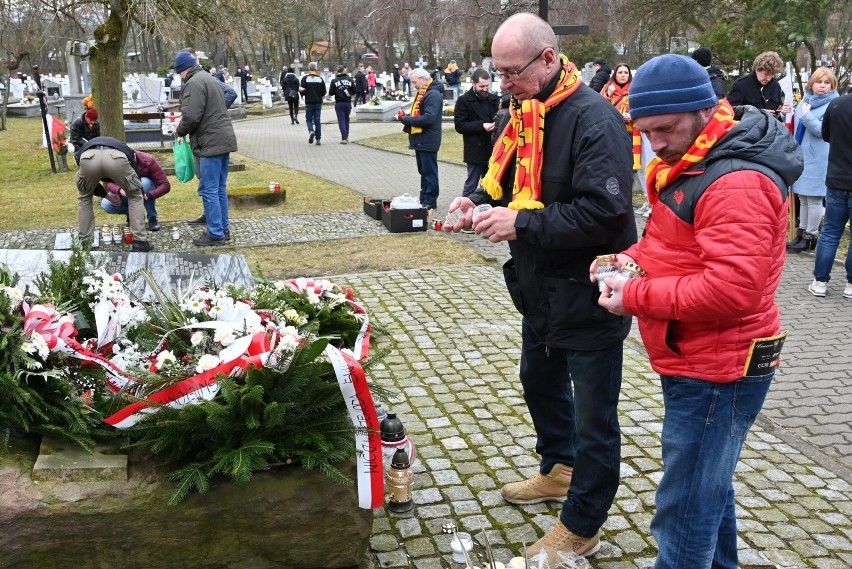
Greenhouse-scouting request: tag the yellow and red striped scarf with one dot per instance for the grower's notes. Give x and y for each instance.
(522, 144)
(415, 108)
(621, 102)
(660, 174)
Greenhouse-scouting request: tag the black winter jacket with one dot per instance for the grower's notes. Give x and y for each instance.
(313, 89)
(470, 114)
(81, 133)
(429, 120)
(586, 190)
(342, 88)
(837, 131)
(718, 80)
(747, 90)
(601, 77)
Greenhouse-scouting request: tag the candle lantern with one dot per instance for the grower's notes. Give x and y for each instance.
(400, 483)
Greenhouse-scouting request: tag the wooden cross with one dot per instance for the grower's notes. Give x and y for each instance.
(561, 30)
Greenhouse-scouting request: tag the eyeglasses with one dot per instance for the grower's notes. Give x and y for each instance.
(512, 75)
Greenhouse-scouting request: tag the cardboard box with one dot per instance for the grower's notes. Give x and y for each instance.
(373, 208)
(405, 220)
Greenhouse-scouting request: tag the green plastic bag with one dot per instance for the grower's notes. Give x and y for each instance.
(184, 161)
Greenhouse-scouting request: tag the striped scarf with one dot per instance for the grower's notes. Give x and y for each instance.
(620, 101)
(415, 108)
(522, 144)
(660, 174)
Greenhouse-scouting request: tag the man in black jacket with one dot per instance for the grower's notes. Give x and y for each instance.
(602, 74)
(474, 120)
(313, 88)
(361, 86)
(837, 131)
(704, 57)
(760, 88)
(423, 126)
(342, 88)
(557, 215)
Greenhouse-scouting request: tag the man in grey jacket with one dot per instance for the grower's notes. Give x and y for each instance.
(205, 119)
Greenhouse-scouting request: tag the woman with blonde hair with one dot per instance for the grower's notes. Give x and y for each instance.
(810, 187)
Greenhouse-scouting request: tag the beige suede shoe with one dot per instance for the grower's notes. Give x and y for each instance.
(561, 539)
(550, 487)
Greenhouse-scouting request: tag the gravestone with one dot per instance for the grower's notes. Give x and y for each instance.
(51, 86)
(169, 270)
(149, 90)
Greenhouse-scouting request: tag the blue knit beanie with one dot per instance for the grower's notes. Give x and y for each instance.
(184, 61)
(670, 84)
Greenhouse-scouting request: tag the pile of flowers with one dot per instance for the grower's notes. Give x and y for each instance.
(214, 379)
(394, 95)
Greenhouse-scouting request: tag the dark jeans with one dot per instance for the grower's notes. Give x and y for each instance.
(573, 401)
(474, 174)
(312, 119)
(838, 211)
(427, 167)
(343, 110)
(704, 429)
(294, 109)
(360, 98)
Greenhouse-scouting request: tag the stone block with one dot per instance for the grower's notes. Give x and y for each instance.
(385, 111)
(285, 517)
(65, 462)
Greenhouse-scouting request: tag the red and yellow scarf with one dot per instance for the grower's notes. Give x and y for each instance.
(522, 144)
(415, 108)
(621, 102)
(660, 174)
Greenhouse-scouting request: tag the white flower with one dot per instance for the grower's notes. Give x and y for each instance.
(164, 357)
(224, 336)
(313, 298)
(28, 347)
(39, 345)
(15, 295)
(206, 362)
(279, 285)
(291, 315)
(196, 338)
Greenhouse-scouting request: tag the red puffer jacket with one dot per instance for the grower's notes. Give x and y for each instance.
(714, 255)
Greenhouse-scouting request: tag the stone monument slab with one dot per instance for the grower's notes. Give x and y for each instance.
(66, 462)
(171, 271)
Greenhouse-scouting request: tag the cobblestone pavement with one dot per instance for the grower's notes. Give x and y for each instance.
(455, 369)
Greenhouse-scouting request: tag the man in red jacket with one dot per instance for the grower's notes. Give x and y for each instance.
(713, 252)
(155, 184)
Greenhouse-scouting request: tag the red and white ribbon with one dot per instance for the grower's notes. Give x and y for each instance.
(362, 412)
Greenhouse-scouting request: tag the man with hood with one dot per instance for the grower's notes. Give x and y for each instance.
(713, 253)
(423, 126)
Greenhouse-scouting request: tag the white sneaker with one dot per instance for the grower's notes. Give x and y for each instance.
(818, 288)
(847, 291)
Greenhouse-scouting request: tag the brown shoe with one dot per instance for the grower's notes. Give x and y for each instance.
(560, 539)
(551, 487)
(200, 220)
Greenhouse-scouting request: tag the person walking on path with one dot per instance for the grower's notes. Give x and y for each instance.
(810, 187)
(565, 197)
(204, 117)
(474, 120)
(105, 159)
(342, 88)
(155, 185)
(713, 254)
(313, 89)
(290, 86)
(423, 126)
(837, 131)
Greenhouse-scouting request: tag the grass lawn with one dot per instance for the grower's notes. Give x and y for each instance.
(33, 198)
(451, 144)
